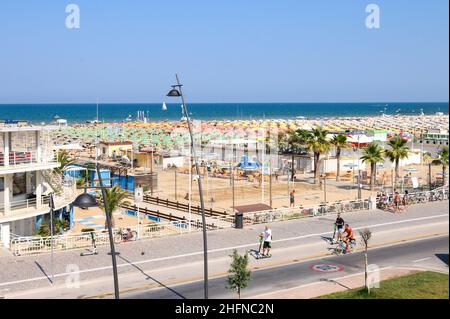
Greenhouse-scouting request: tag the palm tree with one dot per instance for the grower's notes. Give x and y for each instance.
(317, 142)
(64, 160)
(398, 151)
(372, 154)
(115, 197)
(339, 142)
(292, 143)
(442, 159)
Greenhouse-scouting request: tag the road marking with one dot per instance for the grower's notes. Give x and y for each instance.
(419, 260)
(210, 251)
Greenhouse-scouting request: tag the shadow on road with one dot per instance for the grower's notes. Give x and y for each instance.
(43, 271)
(335, 282)
(154, 279)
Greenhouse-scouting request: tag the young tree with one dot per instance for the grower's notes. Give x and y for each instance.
(339, 142)
(366, 234)
(372, 154)
(115, 197)
(398, 151)
(239, 275)
(442, 159)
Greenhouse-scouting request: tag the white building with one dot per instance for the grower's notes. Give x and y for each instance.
(27, 179)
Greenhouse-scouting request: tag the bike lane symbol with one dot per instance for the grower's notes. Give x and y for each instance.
(326, 268)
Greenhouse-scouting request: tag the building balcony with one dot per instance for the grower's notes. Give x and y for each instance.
(25, 161)
(25, 208)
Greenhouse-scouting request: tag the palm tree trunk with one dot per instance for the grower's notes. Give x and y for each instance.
(443, 175)
(293, 169)
(338, 168)
(316, 167)
(397, 164)
(373, 176)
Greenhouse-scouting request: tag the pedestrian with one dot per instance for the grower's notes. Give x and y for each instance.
(397, 201)
(292, 198)
(267, 245)
(339, 224)
(406, 199)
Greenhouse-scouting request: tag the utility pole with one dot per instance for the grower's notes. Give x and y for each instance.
(270, 182)
(175, 183)
(232, 182)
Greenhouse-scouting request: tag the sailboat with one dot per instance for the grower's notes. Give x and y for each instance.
(164, 106)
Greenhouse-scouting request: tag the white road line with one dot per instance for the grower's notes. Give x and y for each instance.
(419, 260)
(210, 251)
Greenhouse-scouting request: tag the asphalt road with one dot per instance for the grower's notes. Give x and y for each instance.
(429, 253)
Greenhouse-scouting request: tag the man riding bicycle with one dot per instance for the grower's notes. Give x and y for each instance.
(348, 238)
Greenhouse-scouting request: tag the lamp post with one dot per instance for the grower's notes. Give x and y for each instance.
(86, 200)
(177, 92)
(52, 208)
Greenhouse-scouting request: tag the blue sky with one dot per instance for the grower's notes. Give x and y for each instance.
(224, 51)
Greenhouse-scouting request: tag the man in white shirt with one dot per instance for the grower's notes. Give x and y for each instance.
(267, 234)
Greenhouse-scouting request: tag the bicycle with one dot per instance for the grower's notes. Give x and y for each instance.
(124, 235)
(341, 247)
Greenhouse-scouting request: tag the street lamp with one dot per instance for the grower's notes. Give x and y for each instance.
(86, 200)
(176, 91)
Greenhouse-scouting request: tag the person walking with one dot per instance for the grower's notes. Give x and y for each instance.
(397, 201)
(267, 245)
(406, 199)
(339, 225)
(292, 198)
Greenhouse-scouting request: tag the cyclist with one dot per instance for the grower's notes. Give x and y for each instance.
(339, 224)
(348, 237)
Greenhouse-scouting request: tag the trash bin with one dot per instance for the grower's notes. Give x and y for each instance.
(239, 220)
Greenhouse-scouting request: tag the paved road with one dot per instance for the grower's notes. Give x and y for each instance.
(432, 253)
(178, 258)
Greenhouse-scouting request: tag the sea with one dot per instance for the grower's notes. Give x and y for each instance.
(80, 113)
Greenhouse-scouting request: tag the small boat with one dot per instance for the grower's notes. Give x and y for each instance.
(164, 106)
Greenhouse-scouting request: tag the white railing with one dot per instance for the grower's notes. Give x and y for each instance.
(21, 204)
(437, 194)
(32, 245)
(27, 157)
(67, 195)
(274, 215)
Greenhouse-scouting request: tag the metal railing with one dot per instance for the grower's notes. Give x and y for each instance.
(438, 194)
(27, 157)
(68, 193)
(269, 216)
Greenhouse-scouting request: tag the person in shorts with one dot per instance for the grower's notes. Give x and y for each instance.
(292, 198)
(267, 245)
(339, 225)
